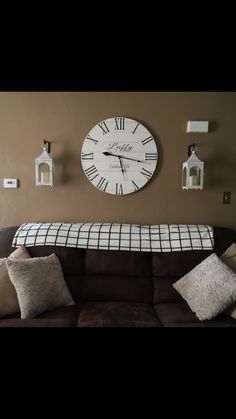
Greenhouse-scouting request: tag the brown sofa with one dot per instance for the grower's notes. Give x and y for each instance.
(121, 288)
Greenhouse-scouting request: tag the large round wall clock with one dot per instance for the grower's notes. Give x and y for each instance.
(119, 156)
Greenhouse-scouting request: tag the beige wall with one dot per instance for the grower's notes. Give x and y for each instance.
(26, 118)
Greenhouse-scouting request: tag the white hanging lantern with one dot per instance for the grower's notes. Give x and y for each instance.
(193, 170)
(44, 167)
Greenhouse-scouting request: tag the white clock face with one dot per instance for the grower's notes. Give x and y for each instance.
(119, 156)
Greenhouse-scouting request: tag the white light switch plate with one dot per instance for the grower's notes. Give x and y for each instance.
(10, 183)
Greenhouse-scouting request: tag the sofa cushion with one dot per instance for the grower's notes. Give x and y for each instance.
(177, 264)
(71, 259)
(62, 313)
(223, 238)
(59, 317)
(39, 284)
(117, 314)
(180, 315)
(75, 285)
(125, 288)
(164, 291)
(117, 262)
(8, 297)
(15, 323)
(209, 288)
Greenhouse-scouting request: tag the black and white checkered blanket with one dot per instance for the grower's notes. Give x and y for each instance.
(114, 236)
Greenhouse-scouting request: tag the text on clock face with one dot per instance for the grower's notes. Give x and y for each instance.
(117, 166)
(118, 147)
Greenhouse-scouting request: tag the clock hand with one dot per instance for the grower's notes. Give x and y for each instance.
(129, 158)
(123, 170)
(122, 166)
(107, 153)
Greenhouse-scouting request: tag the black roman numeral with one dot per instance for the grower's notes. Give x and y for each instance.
(150, 156)
(136, 188)
(92, 139)
(119, 123)
(146, 173)
(87, 156)
(135, 128)
(147, 140)
(90, 172)
(104, 127)
(119, 189)
(102, 184)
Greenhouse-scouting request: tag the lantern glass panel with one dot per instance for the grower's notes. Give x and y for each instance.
(44, 173)
(184, 177)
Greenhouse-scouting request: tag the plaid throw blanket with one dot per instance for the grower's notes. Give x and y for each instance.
(113, 236)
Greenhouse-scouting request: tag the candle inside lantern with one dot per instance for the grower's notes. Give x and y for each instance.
(193, 180)
(44, 177)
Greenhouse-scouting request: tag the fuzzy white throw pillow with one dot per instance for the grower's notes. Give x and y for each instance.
(209, 288)
(39, 284)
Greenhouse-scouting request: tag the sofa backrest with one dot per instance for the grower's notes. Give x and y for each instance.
(109, 275)
(96, 275)
(115, 275)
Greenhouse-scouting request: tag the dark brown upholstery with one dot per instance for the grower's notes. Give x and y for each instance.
(224, 237)
(120, 288)
(164, 291)
(180, 315)
(116, 288)
(114, 262)
(60, 317)
(6, 237)
(114, 314)
(72, 261)
(176, 264)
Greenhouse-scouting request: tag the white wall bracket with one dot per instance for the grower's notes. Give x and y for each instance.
(197, 126)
